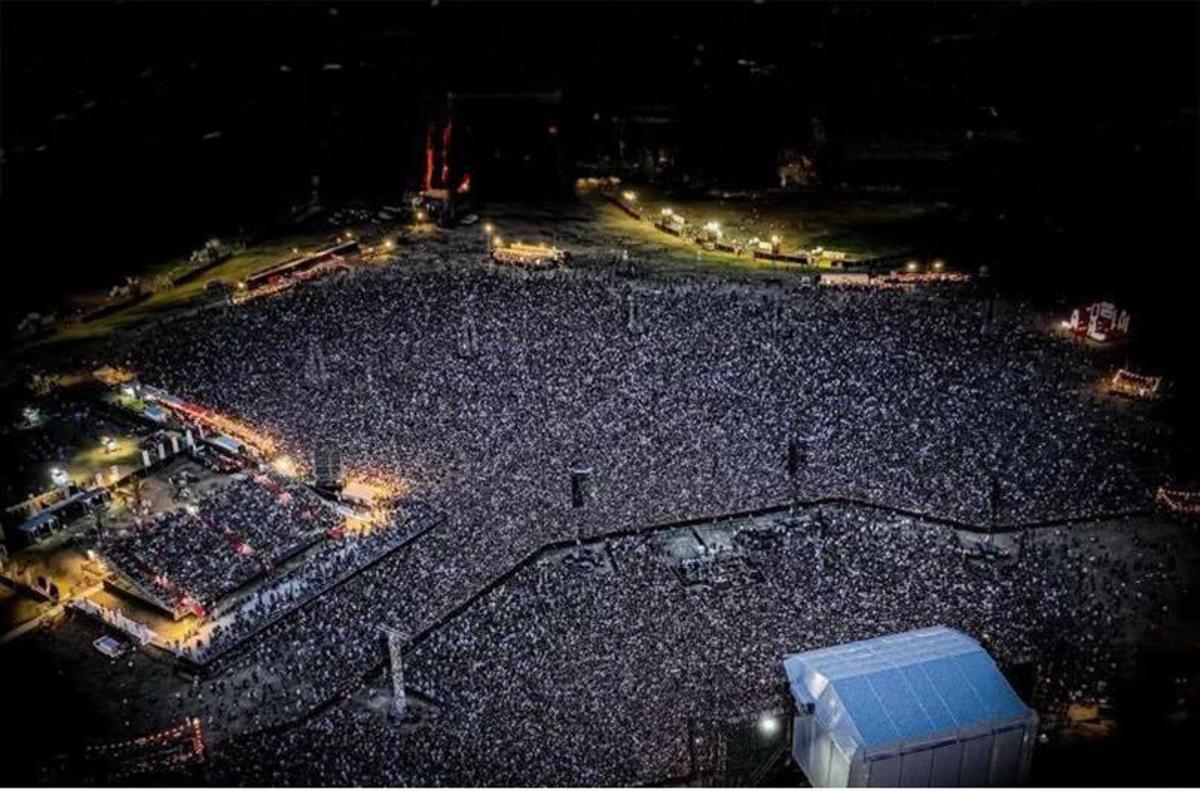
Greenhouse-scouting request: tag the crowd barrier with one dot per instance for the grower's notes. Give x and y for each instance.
(361, 680)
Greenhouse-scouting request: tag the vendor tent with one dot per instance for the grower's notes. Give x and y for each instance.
(921, 708)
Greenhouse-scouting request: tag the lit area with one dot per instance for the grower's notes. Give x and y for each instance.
(285, 466)
(369, 491)
(599, 395)
(530, 256)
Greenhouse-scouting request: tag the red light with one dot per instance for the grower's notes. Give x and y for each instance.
(447, 131)
(428, 180)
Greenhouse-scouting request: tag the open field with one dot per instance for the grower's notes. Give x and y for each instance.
(71, 445)
(476, 431)
(178, 296)
(79, 337)
(862, 227)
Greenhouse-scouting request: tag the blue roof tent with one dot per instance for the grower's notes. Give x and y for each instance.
(227, 444)
(40, 524)
(155, 413)
(922, 708)
(33, 527)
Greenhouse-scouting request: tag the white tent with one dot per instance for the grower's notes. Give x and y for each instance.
(921, 708)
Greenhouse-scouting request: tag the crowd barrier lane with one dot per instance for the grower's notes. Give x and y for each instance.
(198, 665)
(455, 611)
(737, 516)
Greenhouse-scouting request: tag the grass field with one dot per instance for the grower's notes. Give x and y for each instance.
(862, 227)
(859, 226)
(89, 460)
(179, 296)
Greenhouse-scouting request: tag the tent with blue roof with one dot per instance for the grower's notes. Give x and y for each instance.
(37, 527)
(922, 708)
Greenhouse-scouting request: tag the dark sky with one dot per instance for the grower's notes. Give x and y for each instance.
(182, 119)
(105, 98)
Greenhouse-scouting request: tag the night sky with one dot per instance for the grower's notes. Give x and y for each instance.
(1060, 139)
(138, 129)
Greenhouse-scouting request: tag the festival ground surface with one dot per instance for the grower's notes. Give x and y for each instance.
(82, 697)
(566, 652)
(864, 226)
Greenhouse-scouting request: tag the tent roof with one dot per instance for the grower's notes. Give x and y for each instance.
(905, 687)
(228, 443)
(34, 522)
(155, 412)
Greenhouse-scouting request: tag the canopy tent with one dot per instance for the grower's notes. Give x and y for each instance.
(227, 444)
(36, 526)
(155, 413)
(922, 708)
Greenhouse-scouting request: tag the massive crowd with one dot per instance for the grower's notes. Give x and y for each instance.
(271, 520)
(661, 388)
(173, 555)
(226, 538)
(314, 576)
(564, 675)
(479, 388)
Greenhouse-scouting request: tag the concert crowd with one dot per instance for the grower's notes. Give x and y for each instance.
(226, 538)
(477, 389)
(565, 675)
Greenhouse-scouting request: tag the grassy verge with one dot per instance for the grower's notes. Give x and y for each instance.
(862, 227)
(168, 300)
